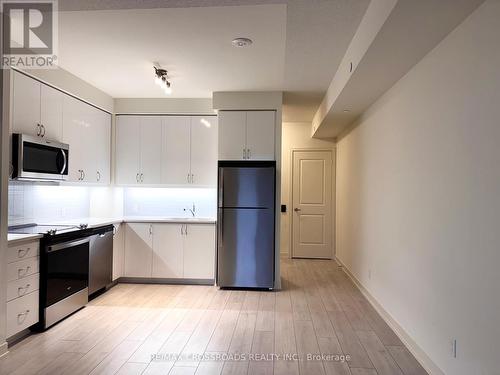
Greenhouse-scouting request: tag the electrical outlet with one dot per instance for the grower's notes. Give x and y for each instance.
(454, 348)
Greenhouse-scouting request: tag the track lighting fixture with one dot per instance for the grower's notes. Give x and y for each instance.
(161, 79)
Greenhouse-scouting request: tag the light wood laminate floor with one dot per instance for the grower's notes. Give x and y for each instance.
(203, 330)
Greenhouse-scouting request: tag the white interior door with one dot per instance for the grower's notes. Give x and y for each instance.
(168, 258)
(204, 150)
(51, 112)
(26, 105)
(150, 149)
(199, 251)
(260, 135)
(128, 149)
(138, 250)
(312, 204)
(175, 150)
(232, 135)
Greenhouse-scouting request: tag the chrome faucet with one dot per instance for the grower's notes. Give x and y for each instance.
(192, 210)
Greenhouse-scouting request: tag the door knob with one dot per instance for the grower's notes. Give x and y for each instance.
(296, 209)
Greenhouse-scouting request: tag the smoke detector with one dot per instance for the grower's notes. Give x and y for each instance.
(242, 42)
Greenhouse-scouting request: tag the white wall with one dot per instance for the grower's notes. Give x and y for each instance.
(418, 199)
(295, 135)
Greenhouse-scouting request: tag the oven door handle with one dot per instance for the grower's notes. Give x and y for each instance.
(65, 245)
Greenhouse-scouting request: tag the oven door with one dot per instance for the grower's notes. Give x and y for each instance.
(39, 159)
(67, 269)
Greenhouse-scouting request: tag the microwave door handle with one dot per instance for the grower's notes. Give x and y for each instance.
(65, 161)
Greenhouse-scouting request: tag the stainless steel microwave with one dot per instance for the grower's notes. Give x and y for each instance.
(38, 159)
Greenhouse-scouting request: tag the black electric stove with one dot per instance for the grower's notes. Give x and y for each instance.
(48, 230)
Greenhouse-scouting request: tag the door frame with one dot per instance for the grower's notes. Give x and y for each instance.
(333, 152)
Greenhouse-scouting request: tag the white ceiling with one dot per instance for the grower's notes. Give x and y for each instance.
(298, 45)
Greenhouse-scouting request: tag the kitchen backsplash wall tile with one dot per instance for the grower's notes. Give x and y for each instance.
(169, 202)
(29, 203)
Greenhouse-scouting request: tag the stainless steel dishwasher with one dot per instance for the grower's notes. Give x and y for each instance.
(100, 258)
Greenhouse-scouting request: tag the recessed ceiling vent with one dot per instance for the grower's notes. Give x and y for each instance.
(242, 42)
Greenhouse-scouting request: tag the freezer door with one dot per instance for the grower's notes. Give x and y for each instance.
(246, 187)
(245, 256)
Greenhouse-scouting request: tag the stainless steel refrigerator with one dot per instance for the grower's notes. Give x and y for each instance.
(246, 224)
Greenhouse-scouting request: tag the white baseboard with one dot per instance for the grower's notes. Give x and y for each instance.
(412, 346)
(3, 349)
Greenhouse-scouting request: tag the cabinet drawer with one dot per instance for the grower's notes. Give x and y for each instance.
(23, 287)
(22, 251)
(22, 313)
(22, 269)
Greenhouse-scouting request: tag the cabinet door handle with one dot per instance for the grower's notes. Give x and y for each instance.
(186, 230)
(188, 178)
(43, 133)
(244, 153)
(98, 176)
(142, 177)
(21, 253)
(38, 130)
(249, 154)
(21, 272)
(83, 175)
(137, 177)
(21, 315)
(150, 229)
(22, 290)
(192, 178)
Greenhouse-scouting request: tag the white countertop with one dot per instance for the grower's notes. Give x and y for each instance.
(14, 237)
(98, 222)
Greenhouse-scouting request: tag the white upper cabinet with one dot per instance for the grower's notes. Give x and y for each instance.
(138, 149)
(102, 153)
(150, 149)
(247, 135)
(26, 105)
(51, 112)
(176, 136)
(166, 150)
(204, 150)
(232, 135)
(87, 130)
(128, 149)
(36, 108)
(260, 135)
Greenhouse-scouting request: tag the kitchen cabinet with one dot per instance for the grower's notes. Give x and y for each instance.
(138, 249)
(199, 253)
(232, 135)
(176, 137)
(36, 108)
(88, 132)
(118, 251)
(23, 277)
(138, 149)
(168, 248)
(203, 148)
(166, 150)
(170, 251)
(246, 135)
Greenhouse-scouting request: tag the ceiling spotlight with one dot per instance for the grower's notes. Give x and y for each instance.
(161, 79)
(242, 42)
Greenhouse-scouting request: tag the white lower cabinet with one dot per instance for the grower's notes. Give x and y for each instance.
(168, 258)
(170, 251)
(199, 251)
(22, 286)
(118, 251)
(138, 249)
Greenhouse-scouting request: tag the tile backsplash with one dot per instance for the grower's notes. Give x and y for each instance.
(169, 202)
(36, 203)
